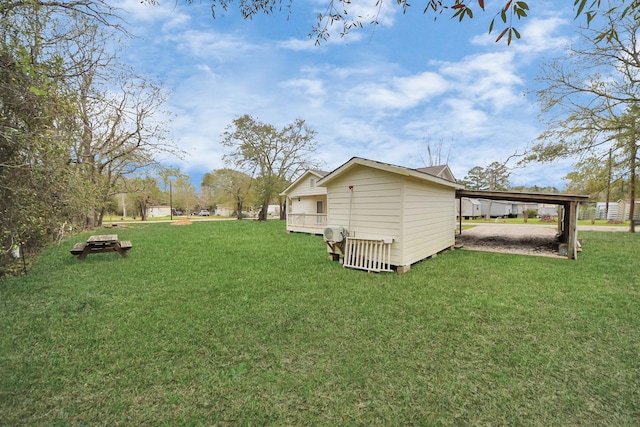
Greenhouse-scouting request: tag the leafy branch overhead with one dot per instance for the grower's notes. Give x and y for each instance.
(506, 13)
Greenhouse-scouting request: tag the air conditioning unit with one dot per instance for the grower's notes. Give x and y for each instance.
(335, 234)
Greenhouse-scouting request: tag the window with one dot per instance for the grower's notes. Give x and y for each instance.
(312, 182)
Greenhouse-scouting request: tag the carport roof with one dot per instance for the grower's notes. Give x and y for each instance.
(569, 218)
(516, 196)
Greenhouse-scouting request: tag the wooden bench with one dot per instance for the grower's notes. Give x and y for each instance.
(126, 245)
(78, 248)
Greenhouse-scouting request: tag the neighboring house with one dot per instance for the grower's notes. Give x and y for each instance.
(393, 216)
(471, 208)
(496, 208)
(306, 203)
(442, 171)
(156, 211)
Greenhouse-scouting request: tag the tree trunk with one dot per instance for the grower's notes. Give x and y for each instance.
(101, 216)
(263, 212)
(283, 209)
(632, 167)
(609, 172)
(487, 217)
(143, 211)
(238, 209)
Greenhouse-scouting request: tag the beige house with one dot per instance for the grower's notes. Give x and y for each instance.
(306, 203)
(381, 216)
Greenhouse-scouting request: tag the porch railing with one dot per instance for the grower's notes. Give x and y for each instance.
(307, 220)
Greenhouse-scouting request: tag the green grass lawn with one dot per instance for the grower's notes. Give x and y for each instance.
(238, 323)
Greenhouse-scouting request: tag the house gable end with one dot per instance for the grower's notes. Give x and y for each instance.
(398, 170)
(302, 183)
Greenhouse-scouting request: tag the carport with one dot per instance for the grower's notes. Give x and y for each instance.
(567, 220)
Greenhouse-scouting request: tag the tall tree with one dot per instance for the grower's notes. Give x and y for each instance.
(121, 126)
(601, 176)
(435, 155)
(144, 191)
(273, 156)
(185, 197)
(590, 100)
(493, 177)
(229, 185)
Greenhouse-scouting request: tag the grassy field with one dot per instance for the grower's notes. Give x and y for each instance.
(238, 323)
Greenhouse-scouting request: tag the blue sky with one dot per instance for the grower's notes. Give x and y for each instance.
(381, 93)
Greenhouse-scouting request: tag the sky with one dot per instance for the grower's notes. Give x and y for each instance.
(384, 93)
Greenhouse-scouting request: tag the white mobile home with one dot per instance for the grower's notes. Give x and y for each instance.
(547, 209)
(393, 216)
(624, 210)
(306, 203)
(471, 208)
(520, 210)
(157, 211)
(606, 212)
(496, 208)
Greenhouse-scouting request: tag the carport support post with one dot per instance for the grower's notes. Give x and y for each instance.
(460, 215)
(562, 212)
(572, 231)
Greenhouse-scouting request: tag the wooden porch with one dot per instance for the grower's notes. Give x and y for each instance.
(306, 222)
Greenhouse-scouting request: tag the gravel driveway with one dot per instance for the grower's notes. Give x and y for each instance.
(508, 238)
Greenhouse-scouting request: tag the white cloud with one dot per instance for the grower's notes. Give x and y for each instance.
(492, 78)
(137, 12)
(208, 44)
(543, 35)
(308, 44)
(399, 92)
(297, 44)
(538, 35)
(311, 90)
